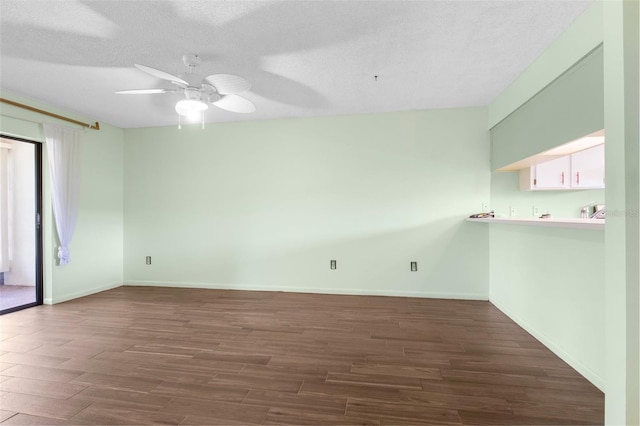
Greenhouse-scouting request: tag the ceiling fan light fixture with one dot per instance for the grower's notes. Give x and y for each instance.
(191, 108)
(221, 90)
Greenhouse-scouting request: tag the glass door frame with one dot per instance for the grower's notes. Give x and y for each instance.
(39, 257)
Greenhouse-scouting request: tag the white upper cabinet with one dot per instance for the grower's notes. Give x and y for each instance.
(552, 174)
(587, 168)
(580, 170)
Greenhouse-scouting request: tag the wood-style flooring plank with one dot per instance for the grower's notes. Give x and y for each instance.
(395, 370)
(29, 420)
(16, 345)
(376, 380)
(472, 389)
(126, 399)
(4, 415)
(98, 366)
(136, 384)
(209, 391)
(40, 406)
(221, 410)
(68, 350)
(295, 372)
(292, 416)
(211, 421)
(104, 414)
(470, 417)
(142, 355)
(305, 403)
(44, 388)
(31, 359)
(253, 382)
(41, 373)
(402, 412)
(350, 390)
(234, 357)
(5, 365)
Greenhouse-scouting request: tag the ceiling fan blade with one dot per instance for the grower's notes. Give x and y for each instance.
(228, 84)
(142, 91)
(161, 74)
(235, 103)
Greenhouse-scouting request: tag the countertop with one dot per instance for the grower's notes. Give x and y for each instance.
(557, 222)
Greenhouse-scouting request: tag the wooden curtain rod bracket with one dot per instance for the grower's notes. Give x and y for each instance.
(95, 126)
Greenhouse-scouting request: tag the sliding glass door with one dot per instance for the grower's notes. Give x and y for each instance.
(20, 224)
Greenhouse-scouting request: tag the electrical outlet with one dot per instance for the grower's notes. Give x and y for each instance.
(512, 211)
(148, 260)
(332, 264)
(485, 207)
(536, 211)
(414, 266)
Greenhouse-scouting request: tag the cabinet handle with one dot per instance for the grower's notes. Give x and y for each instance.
(578, 178)
(562, 178)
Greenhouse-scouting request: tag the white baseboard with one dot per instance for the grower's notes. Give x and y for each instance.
(585, 371)
(351, 291)
(87, 292)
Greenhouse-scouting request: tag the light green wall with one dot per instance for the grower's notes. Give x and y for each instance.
(97, 245)
(584, 35)
(569, 108)
(622, 46)
(266, 205)
(616, 23)
(550, 280)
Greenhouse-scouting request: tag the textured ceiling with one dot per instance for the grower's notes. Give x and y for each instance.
(303, 58)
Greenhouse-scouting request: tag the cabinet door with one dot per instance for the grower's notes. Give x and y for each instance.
(587, 168)
(553, 174)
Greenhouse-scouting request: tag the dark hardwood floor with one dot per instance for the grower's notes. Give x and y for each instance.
(210, 357)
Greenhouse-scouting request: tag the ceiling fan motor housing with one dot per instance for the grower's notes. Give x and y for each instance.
(192, 93)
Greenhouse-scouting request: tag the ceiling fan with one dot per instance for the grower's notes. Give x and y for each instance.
(220, 90)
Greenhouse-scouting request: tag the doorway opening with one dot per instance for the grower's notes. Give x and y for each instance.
(21, 270)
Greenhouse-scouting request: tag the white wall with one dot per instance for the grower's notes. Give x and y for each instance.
(267, 205)
(23, 231)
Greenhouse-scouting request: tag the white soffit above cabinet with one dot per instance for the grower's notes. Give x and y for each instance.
(303, 58)
(586, 142)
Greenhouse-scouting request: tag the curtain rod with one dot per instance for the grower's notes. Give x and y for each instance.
(50, 114)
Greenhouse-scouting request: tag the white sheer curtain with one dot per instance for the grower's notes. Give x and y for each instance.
(64, 151)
